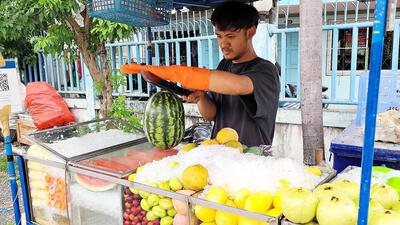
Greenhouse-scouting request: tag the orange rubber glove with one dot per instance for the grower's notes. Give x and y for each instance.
(189, 77)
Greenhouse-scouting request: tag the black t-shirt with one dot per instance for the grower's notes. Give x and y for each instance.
(252, 116)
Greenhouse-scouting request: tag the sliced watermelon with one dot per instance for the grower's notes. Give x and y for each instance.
(143, 157)
(93, 184)
(107, 165)
(151, 154)
(128, 162)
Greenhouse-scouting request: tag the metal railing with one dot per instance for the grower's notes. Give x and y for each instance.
(189, 39)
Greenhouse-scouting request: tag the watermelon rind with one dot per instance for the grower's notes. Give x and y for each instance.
(164, 120)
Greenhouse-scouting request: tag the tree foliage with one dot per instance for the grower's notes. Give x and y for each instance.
(60, 26)
(19, 21)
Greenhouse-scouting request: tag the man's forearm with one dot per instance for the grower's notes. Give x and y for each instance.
(207, 108)
(223, 82)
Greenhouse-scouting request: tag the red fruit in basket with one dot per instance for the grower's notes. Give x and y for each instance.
(136, 219)
(127, 222)
(150, 223)
(128, 205)
(143, 213)
(131, 217)
(126, 216)
(144, 223)
(135, 203)
(128, 211)
(156, 222)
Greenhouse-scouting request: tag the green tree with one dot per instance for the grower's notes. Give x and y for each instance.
(16, 30)
(57, 26)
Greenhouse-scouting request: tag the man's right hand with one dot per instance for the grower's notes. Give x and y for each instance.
(206, 106)
(195, 97)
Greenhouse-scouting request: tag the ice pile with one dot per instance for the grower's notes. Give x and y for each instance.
(233, 170)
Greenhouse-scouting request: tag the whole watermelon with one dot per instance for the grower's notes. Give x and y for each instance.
(164, 120)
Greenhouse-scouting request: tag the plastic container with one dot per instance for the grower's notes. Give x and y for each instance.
(347, 150)
(133, 12)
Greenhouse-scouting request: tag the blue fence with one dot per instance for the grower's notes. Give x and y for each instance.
(66, 77)
(189, 39)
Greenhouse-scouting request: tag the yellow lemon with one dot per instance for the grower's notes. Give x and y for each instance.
(208, 223)
(225, 218)
(132, 178)
(248, 221)
(204, 214)
(276, 201)
(274, 212)
(240, 197)
(284, 184)
(227, 134)
(209, 142)
(230, 203)
(174, 164)
(258, 202)
(195, 177)
(234, 144)
(140, 168)
(217, 194)
(314, 170)
(188, 147)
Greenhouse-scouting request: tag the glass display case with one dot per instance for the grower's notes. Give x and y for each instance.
(52, 190)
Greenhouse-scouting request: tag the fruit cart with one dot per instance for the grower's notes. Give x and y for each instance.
(86, 187)
(85, 174)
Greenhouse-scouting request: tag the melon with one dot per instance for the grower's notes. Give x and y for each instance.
(164, 120)
(93, 184)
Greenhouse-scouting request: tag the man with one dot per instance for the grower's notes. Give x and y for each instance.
(243, 92)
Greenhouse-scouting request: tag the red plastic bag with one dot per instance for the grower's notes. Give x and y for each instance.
(46, 107)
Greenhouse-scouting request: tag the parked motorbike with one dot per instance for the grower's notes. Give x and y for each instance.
(291, 92)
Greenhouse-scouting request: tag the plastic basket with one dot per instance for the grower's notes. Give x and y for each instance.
(137, 13)
(389, 94)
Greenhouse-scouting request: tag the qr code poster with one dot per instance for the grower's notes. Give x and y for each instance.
(10, 87)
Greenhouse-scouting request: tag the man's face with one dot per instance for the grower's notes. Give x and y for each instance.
(233, 43)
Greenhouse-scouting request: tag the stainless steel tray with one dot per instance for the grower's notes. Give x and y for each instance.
(121, 161)
(48, 138)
